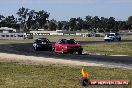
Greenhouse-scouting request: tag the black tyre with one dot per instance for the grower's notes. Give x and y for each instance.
(62, 51)
(119, 39)
(112, 39)
(105, 40)
(54, 49)
(35, 48)
(51, 49)
(80, 52)
(71, 52)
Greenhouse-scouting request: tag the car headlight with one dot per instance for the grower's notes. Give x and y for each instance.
(43, 42)
(38, 45)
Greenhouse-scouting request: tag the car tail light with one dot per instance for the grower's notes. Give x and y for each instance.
(65, 47)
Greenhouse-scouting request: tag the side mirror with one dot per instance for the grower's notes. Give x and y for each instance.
(59, 43)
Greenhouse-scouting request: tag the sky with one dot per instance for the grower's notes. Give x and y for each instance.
(66, 9)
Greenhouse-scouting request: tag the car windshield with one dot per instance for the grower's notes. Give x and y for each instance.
(43, 40)
(71, 41)
(110, 35)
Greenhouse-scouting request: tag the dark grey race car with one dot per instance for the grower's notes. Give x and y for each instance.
(42, 44)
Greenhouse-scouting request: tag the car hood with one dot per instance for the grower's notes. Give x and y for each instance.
(43, 43)
(72, 45)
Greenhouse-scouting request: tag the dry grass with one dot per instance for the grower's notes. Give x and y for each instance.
(109, 48)
(14, 75)
(54, 38)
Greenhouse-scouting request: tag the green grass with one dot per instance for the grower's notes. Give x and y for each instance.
(52, 39)
(127, 37)
(55, 38)
(77, 38)
(14, 75)
(109, 48)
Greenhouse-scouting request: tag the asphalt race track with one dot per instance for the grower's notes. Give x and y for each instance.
(27, 49)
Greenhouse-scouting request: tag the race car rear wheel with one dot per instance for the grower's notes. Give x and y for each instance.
(119, 39)
(35, 48)
(80, 52)
(71, 52)
(62, 51)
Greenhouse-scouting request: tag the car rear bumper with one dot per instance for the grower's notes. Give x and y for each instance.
(75, 50)
(45, 47)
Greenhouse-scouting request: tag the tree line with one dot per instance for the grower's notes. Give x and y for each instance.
(33, 20)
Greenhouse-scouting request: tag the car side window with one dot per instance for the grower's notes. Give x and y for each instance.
(47, 41)
(37, 41)
(62, 42)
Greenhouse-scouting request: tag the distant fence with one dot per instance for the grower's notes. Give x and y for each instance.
(16, 35)
(67, 33)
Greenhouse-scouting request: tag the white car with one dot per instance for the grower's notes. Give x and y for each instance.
(112, 37)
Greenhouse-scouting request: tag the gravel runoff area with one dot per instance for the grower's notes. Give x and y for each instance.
(41, 60)
(22, 59)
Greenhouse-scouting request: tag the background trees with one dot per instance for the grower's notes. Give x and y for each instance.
(41, 18)
(33, 20)
(52, 25)
(129, 23)
(22, 13)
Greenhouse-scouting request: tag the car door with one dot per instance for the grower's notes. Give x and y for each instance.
(60, 45)
(35, 43)
(56, 46)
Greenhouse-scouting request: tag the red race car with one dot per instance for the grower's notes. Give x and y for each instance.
(68, 46)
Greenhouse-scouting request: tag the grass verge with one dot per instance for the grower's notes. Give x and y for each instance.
(14, 75)
(52, 38)
(109, 48)
(55, 38)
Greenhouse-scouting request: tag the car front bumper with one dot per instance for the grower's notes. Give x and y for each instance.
(74, 50)
(44, 46)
